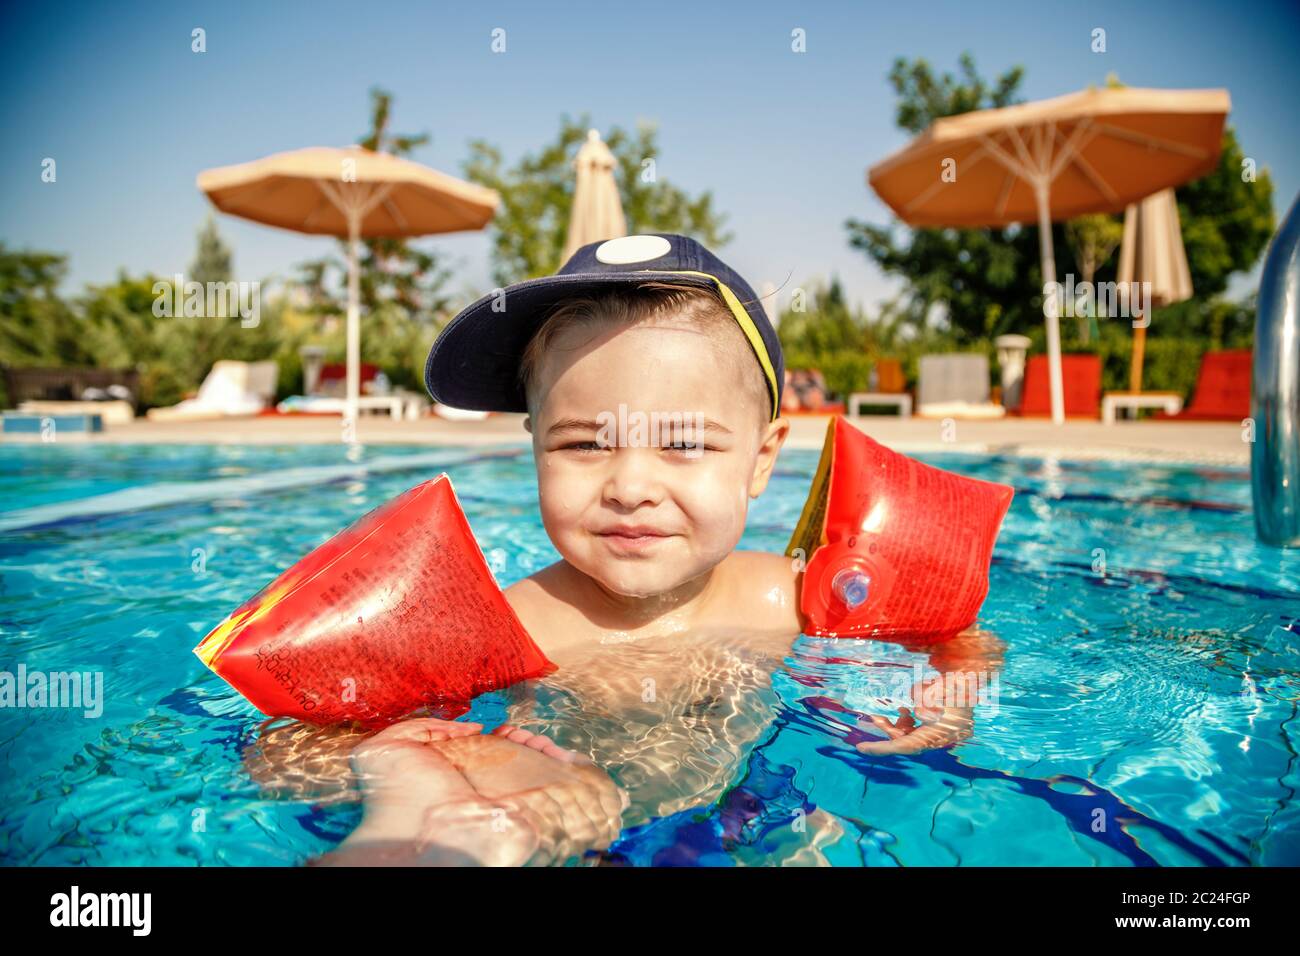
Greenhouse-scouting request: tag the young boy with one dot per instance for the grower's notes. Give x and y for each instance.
(652, 380)
(646, 522)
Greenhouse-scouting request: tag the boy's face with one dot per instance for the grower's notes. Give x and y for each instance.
(591, 487)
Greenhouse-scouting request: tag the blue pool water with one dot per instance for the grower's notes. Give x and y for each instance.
(1145, 714)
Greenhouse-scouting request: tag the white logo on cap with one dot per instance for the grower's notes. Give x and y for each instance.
(628, 249)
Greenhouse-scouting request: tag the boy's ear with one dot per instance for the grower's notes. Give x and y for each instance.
(774, 437)
(528, 424)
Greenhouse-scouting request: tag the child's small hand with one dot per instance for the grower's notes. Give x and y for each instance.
(941, 726)
(399, 755)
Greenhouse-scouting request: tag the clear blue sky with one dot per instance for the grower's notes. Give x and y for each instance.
(113, 93)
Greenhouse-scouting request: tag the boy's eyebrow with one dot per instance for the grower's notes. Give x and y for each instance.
(587, 425)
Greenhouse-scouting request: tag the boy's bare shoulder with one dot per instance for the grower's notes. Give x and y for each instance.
(771, 582)
(532, 594)
(539, 603)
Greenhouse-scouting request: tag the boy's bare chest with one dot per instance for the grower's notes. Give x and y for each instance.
(700, 674)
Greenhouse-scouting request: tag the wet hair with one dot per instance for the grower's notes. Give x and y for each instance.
(647, 304)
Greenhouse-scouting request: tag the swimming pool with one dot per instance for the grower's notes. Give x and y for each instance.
(1144, 715)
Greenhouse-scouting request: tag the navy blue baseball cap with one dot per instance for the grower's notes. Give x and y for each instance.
(474, 363)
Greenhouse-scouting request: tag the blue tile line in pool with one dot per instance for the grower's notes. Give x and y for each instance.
(184, 492)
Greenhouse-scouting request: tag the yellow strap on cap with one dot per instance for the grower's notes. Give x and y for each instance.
(747, 326)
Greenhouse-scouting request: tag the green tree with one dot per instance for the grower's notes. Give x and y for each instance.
(844, 344)
(118, 329)
(114, 326)
(826, 326)
(530, 229)
(37, 327)
(924, 97)
(1226, 219)
(212, 261)
(121, 331)
(977, 277)
(1093, 240)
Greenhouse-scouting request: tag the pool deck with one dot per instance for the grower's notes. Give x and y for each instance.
(1189, 442)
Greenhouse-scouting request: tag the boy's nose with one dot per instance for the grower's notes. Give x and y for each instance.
(632, 478)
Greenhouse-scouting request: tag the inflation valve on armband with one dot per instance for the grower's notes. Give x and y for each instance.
(851, 586)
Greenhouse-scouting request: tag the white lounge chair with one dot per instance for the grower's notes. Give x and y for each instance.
(231, 390)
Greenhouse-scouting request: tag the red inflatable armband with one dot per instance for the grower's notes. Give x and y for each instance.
(397, 612)
(898, 548)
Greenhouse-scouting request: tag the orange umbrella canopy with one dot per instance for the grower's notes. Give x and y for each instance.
(1098, 150)
(353, 193)
(315, 190)
(1088, 152)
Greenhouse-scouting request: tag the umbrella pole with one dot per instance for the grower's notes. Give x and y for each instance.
(1048, 255)
(1139, 355)
(354, 322)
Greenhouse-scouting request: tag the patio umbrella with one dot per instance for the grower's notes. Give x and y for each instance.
(597, 209)
(352, 193)
(1152, 252)
(1093, 151)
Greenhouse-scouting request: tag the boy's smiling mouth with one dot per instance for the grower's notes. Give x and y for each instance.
(633, 537)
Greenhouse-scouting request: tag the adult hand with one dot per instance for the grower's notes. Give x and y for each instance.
(443, 793)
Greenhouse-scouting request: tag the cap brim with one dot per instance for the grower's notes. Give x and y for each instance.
(474, 363)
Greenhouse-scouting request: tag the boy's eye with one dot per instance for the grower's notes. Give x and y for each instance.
(585, 446)
(591, 447)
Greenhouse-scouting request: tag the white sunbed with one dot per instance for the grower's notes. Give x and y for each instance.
(231, 390)
(115, 412)
(399, 405)
(962, 410)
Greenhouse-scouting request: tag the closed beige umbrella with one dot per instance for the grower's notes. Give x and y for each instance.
(597, 212)
(352, 193)
(1152, 252)
(1093, 151)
